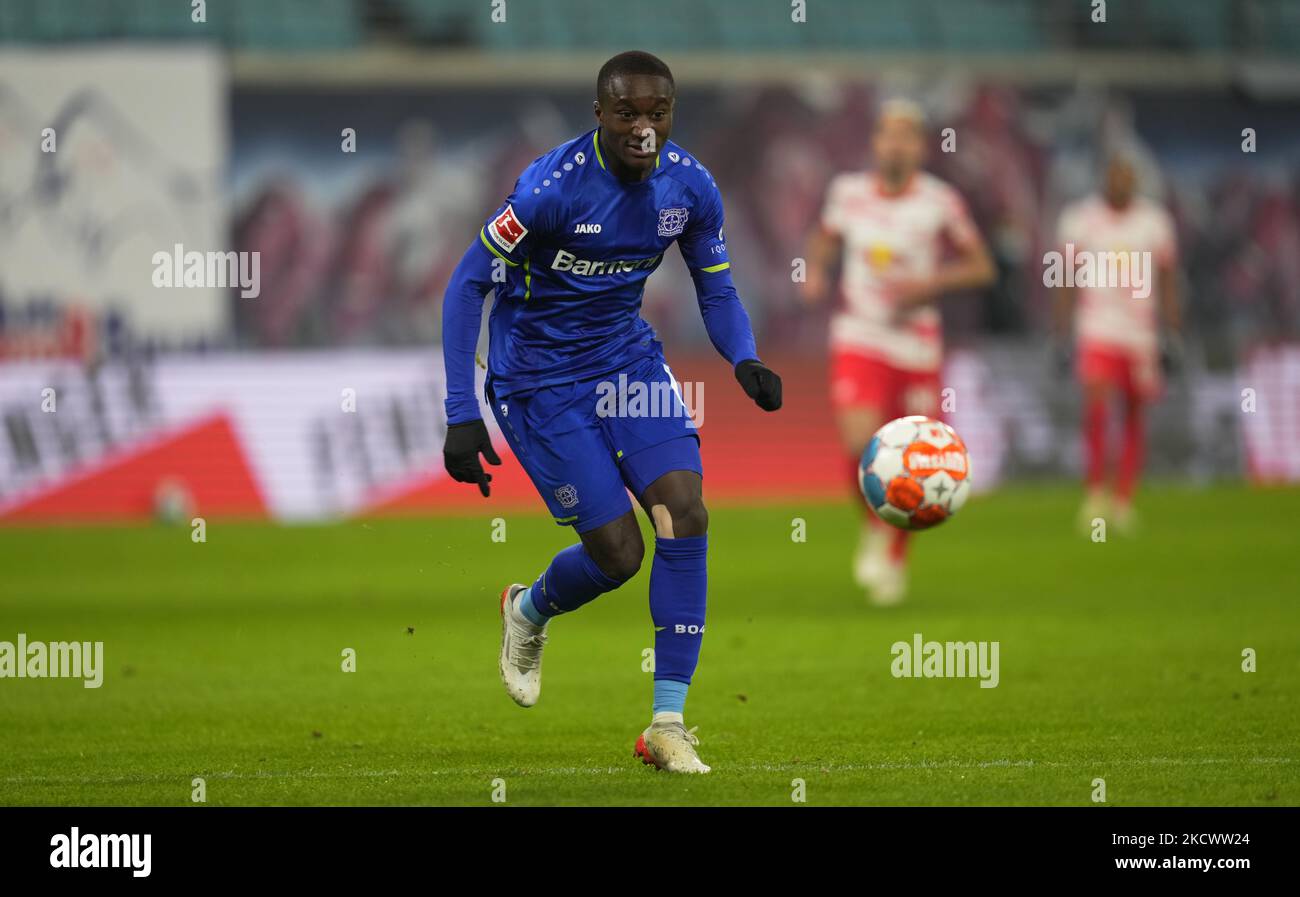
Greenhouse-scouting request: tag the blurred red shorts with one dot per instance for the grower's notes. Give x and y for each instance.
(859, 380)
(1135, 373)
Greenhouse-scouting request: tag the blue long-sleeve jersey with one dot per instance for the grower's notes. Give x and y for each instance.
(568, 254)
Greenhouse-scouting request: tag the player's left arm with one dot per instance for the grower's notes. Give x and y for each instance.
(704, 248)
(970, 268)
(1066, 299)
(1171, 314)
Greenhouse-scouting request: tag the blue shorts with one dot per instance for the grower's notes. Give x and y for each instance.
(585, 444)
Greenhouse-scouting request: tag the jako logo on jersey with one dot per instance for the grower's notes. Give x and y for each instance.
(567, 261)
(506, 229)
(672, 222)
(586, 229)
(688, 629)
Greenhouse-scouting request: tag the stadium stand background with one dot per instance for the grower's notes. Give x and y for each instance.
(974, 26)
(449, 106)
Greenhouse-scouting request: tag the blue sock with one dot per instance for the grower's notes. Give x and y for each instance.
(529, 610)
(670, 696)
(678, 587)
(568, 583)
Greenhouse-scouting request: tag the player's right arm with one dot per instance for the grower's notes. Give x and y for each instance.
(1171, 318)
(462, 309)
(1063, 306)
(825, 247)
(502, 243)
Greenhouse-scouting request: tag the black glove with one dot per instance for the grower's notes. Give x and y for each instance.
(761, 383)
(461, 450)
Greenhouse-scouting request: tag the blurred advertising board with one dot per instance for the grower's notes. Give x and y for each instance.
(317, 435)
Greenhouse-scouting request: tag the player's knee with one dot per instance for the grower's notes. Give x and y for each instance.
(621, 559)
(626, 562)
(857, 427)
(1096, 390)
(689, 517)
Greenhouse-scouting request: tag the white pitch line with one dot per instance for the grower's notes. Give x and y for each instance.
(630, 768)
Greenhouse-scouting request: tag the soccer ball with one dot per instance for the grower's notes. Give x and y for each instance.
(915, 472)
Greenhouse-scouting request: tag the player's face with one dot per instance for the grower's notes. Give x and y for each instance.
(635, 120)
(1121, 182)
(898, 147)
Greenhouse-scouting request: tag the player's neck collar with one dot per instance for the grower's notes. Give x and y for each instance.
(883, 189)
(600, 158)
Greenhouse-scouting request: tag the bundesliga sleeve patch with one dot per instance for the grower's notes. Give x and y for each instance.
(506, 230)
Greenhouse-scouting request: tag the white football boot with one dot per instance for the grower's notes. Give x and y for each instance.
(884, 578)
(871, 556)
(1096, 503)
(888, 585)
(522, 642)
(667, 744)
(1126, 519)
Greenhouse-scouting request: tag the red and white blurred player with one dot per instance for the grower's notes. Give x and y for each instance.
(1116, 333)
(904, 238)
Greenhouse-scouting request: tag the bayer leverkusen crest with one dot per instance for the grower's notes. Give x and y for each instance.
(672, 222)
(567, 496)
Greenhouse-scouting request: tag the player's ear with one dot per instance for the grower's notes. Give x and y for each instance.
(595, 108)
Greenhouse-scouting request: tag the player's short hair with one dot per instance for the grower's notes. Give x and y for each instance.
(901, 107)
(1120, 153)
(633, 62)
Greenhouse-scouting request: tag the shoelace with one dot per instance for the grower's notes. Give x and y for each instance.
(687, 735)
(525, 650)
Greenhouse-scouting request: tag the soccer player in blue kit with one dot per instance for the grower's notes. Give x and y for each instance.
(568, 254)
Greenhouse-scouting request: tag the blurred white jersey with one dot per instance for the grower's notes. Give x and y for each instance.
(1112, 315)
(888, 238)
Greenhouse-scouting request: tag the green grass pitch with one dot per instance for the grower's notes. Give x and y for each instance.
(1120, 660)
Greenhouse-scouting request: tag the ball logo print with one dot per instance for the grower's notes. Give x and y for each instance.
(915, 473)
